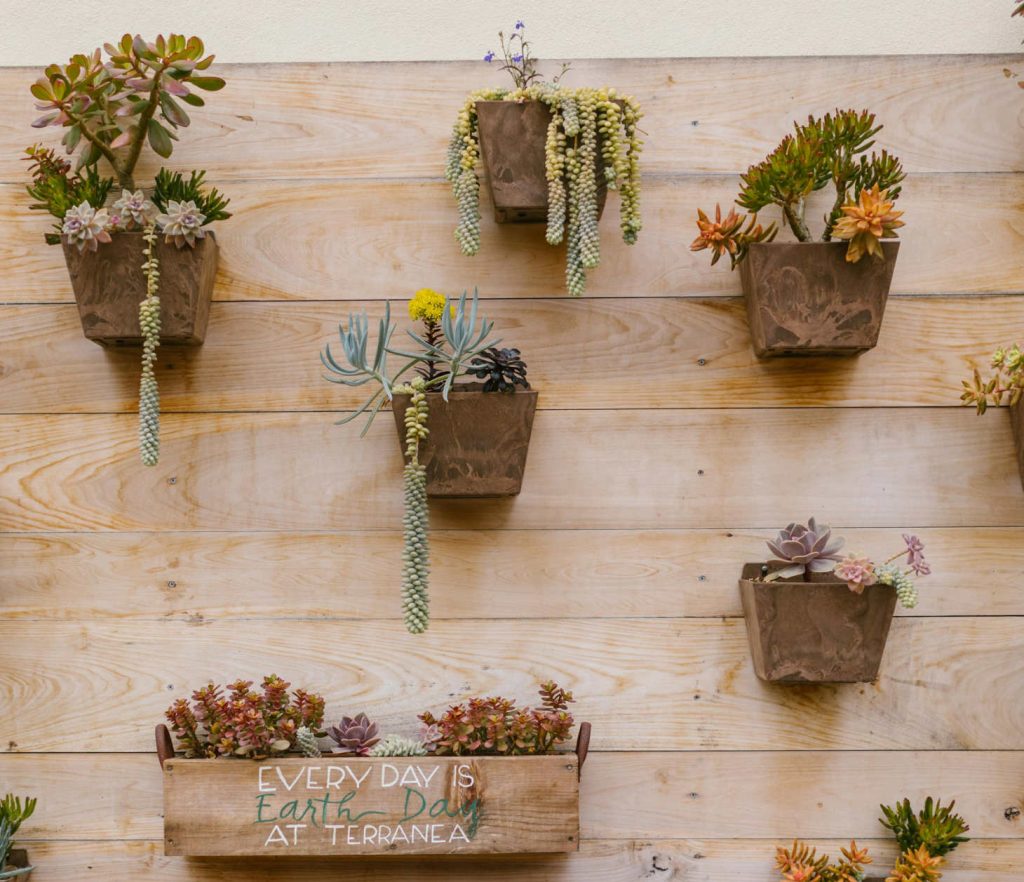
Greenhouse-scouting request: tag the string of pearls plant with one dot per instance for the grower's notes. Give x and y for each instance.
(149, 322)
(592, 132)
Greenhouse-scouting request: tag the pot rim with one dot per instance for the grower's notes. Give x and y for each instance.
(472, 389)
(210, 234)
(835, 243)
(793, 580)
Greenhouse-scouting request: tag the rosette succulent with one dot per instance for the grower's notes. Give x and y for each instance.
(355, 736)
(501, 369)
(134, 210)
(182, 223)
(86, 227)
(801, 549)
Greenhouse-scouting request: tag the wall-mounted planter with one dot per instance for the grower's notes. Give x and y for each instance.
(512, 136)
(804, 298)
(347, 806)
(1017, 421)
(109, 285)
(815, 632)
(18, 866)
(478, 440)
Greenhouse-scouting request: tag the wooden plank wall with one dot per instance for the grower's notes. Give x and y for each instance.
(663, 455)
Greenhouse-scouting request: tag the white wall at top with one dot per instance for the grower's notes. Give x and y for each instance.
(36, 33)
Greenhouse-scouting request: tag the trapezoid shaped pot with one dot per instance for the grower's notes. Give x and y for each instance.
(477, 442)
(815, 632)
(804, 298)
(1017, 421)
(512, 138)
(18, 866)
(109, 285)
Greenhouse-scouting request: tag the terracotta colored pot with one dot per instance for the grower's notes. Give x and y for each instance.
(817, 631)
(109, 285)
(512, 137)
(1017, 421)
(478, 441)
(18, 866)
(803, 298)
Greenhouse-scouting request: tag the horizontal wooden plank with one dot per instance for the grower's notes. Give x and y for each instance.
(557, 573)
(393, 120)
(695, 860)
(264, 356)
(590, 469)
(649, 796)
(644, 683)
(330, 240)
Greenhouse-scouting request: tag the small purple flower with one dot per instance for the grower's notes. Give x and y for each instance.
(489, 57)
(520, 25)
(915, 555)
(517, 58)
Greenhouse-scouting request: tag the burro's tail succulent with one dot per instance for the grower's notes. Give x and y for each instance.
(149, 322)
(398, 745)
(416, 554)
(801, 549)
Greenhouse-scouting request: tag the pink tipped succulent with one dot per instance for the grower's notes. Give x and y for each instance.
(85, 227)
(355, 735)
(857, 572)
(134, 209)
(915, 555)
(803, 549)
(182, 223)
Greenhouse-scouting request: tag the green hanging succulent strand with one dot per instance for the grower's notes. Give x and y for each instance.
(149, 322)
(416, 554)
(583, 123)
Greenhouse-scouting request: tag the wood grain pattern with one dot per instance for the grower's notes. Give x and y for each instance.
(246, 472)
(645, 684)
(393, 120)
(649, 796)
(389, 237)
(263, 356)
(692, 860)
(346, 806)
(556, 573)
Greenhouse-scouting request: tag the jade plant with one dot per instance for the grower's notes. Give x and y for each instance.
(830, 151)
(498, 726)
(13, 812)
(586, 124)
(924, 839)
(804, 549)
(245, 722)
(453, 343)
(1005, 385)
(110, 108)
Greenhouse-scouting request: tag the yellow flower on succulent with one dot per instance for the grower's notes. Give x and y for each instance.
(427, 305)
(866, 222)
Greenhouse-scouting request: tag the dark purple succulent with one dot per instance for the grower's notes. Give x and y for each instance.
(800, 549)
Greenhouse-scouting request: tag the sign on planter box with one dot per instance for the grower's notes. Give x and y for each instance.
(365, 806)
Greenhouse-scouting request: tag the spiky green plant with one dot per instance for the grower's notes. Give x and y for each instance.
(305, 741)
(935, 827)
(398, 745)
(172, 187)
(149, 322)
(12, 813)
(416, 523)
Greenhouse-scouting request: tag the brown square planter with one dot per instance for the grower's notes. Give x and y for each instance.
(815, 632)
(109, 285)
(1017, 421)
(803, 298)
(478, 440)
(17, 867)
(512, 138)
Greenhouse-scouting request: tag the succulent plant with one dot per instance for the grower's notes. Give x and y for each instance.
(182, 223)
(56, 190)
(501, 369)
(13, 812)
(728, 235)
(495, 725)
(111, 107)
(936, 828)
(149, 323)
(1004, 386)
(86, 227)
(801, 863)
(802, 549)
(134, 210)
(866, 222)
(917, 866)
(172, 187)
(306, 742)
(859, 572)
(398, 745)
(354, 735)
(416, 522)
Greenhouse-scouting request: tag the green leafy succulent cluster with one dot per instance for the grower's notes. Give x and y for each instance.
(1004, 386)
(173, 187)
(13, 812)
(936, 827)
(586, 124)
(56, 190)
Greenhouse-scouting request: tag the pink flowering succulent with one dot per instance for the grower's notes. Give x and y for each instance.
(860, 572)
(857, 572)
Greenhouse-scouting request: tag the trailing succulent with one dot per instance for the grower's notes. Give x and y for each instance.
(13, 812)
(830, 150)
(245, 722)
(485, 726)
(801, 549)
(588, 127)
(110, 108)
(924, 839)
(1004, 386)
(454, 343)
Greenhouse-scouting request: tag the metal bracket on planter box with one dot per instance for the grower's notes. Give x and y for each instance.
(582, 745)
(164, 745)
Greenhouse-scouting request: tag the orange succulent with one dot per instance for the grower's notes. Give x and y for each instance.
(728, 236)
(866, 222)
(917, 866)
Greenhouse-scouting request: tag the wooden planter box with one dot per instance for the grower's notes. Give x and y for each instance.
(1017, 421)
(512, 137)
(109, 285)
(18, 866)
(803, 298)
(478, 441)
(815, 632)
(348, 806)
